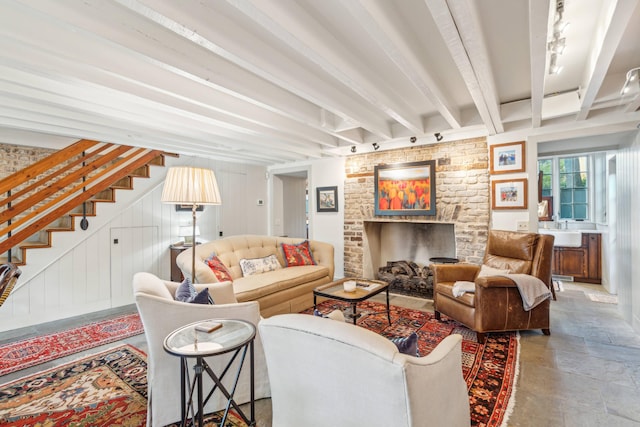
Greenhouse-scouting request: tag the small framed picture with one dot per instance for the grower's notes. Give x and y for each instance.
(507, 158)
(509, 194)
(327, 199)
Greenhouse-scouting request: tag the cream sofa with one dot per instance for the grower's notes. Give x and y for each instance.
(286, 290)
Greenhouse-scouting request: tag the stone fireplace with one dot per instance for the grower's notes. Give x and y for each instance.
(458, 229)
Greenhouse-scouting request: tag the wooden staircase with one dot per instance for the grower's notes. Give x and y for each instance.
(49, 195)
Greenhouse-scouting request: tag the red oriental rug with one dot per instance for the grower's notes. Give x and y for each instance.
(30, 352)
(106, 389)
(490, 369)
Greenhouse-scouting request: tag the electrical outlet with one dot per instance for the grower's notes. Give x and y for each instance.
(522, 225)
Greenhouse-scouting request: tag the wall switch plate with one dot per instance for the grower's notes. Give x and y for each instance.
(522, 225)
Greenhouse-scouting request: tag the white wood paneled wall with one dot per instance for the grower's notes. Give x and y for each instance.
(628, 232)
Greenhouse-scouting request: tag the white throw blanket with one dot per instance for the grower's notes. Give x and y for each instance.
(462, 287)
(532, 290)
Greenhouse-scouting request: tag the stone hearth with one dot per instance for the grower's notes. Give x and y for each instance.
(462, 199)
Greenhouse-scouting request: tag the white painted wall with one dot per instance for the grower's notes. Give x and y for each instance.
(325, 226)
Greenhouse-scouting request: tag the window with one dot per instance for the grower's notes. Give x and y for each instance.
(574, 190)
(546, 167)
(567, 179)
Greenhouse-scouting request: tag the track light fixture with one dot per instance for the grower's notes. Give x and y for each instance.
(438, 136)
(413, 139)
(633, 75)
(353, 148)
(375, 146)
(556, 45)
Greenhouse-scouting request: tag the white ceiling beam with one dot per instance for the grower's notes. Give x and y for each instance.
(222, 37)
(91, 99)
(464, 52)
(298, 30)
(145, 74)
(377, 23)
(538, 28)
(613, 24)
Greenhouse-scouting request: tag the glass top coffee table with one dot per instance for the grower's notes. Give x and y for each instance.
(364, 290)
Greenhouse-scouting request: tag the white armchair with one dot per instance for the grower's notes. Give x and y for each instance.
(161, 315)
(327, 373)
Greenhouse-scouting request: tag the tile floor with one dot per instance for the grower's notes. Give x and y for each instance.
(587, 373)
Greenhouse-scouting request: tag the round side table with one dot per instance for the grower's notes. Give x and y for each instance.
(188, 342)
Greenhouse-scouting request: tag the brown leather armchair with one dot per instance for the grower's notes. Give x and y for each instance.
(496, 304)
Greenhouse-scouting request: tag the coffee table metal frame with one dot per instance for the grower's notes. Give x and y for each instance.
(234, 336)
(335, 290)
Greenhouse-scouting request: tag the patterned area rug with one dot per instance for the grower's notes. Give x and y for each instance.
(30, 352)
(490, 370)
(107, 389)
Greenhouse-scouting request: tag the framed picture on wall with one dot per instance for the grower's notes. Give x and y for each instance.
(507, 158)
(509, 194)
(327, 199)
(406, 188)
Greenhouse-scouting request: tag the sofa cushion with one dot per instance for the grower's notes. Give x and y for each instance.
(186, 292)
(257, 286)
(218, 268)
(297, 254)
(259, 265)
(407, 345)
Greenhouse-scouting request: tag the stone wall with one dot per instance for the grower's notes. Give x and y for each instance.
(462, 196)
(17, 157)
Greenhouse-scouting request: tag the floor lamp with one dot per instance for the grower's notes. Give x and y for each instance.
(186, 185)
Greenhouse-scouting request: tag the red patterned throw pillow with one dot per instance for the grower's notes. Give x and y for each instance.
(219, 269)
(296, 255)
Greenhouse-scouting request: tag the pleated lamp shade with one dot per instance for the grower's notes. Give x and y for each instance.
(189, 185)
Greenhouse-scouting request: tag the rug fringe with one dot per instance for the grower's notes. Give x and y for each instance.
(512, 399)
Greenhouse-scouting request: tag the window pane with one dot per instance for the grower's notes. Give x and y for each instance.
(565, 211)
(580, 180)
(580, 196)
(579, 211)
(565, 196)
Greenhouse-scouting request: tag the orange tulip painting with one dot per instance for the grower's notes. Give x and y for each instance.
(405, 189)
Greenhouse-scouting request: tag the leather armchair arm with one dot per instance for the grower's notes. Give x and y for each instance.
(494, 282)
(454, 272)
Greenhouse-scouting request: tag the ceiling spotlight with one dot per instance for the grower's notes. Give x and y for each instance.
(438, 136)
(353, 148)
(375, 146)
(413, 139)
(633, 75)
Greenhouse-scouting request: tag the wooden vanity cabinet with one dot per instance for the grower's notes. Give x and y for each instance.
(583, 263)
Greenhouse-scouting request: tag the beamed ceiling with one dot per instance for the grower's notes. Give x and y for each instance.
(277, 81)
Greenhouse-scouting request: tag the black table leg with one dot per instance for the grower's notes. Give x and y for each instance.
(353, 312)
(388, 310)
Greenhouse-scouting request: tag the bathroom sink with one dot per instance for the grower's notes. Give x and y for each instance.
(568, 238)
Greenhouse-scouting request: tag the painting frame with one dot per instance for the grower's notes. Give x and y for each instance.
(327, 199)
(509, 194)
(416, 181)
(507, 158)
